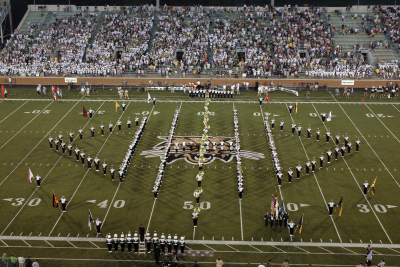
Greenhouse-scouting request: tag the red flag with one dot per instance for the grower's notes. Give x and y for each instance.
(267, 98)
(2, 90)
(55, 201)
(275, 199)
(84, 112)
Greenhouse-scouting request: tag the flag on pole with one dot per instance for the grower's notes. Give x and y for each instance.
(272, 205)
(301, 223)
(282, 209)
(275, 202)
(116, 106)
(295, 108)
(90, 220)
(84, 112)
(340, 204)
(148, 97)
(55, 201)
(373, 186)
(30, 175)
(277, 208)
(2, 90)
(329, 116)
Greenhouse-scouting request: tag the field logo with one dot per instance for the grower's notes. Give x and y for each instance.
(193, 156)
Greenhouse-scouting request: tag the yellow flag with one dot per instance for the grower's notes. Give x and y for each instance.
(373, 186)
(301, 223)
(340, 204)
(296, 108)
(116, 106)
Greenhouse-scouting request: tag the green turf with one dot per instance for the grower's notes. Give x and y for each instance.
(123, 207)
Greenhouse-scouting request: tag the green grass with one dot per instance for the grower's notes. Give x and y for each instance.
(23, 145)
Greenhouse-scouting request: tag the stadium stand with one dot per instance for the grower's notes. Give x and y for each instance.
(245, 42)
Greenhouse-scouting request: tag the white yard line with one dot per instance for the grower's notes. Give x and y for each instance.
(315, 176)
(326, 250)
(394, 250)
(395, 108)
(154, 203)
(355, 180)
(38, 144)
(383, 124)
(241, 221)
(70, 200)
(71, 244)
(94, 244)
(302, 249)
(13, 111)
(368, 144)
(45, 176)
(231, 247)
(374, 251)
(4, 243)
(49, 243)
(26, 125)
(349, 250)
(112, 201)
(27, 243)
(255, 248)
(209, 247)
(279, 249)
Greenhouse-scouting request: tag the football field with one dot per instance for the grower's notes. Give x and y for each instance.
(227, 227)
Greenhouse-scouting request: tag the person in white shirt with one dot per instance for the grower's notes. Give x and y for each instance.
(63, 203)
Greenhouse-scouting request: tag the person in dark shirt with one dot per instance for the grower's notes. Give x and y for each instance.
(28, 262)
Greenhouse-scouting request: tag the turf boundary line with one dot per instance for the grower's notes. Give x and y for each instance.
(13, 111)
(41, 112)
(211, 242)
(47, 173)
(154, 203)
(188, 262)
(352, 174)
(315, 176)
(69, 201)
(144, 100)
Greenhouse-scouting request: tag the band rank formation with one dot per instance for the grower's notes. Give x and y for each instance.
(157, 183)
(200, 175)
(238, 159)
(132, 147)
